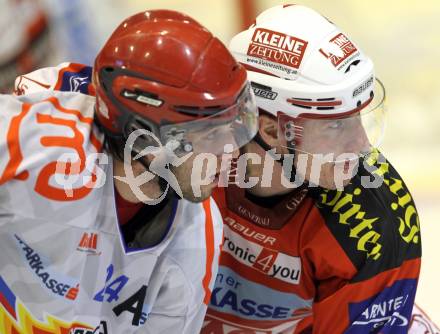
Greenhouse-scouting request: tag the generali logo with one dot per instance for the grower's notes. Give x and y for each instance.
(277, 47)
(89, 243)
(338, 49)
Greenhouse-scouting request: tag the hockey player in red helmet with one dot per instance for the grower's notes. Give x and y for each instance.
(327, 239)
(80, 251)
(169, 75)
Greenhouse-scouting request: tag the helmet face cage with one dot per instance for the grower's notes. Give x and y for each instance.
(234, 126)
(336, 138)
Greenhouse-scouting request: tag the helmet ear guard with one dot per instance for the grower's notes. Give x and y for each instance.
(146, 139)
(126, 121)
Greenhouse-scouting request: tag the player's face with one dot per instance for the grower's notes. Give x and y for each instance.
(329, 175)
(188, 179)
(193, 187)
(333, 137)
(328, 151)
(199, 174)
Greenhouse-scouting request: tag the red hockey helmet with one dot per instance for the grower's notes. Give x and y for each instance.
(162, 71)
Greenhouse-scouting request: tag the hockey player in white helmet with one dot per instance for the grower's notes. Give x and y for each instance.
(327, 239)
(320, 87)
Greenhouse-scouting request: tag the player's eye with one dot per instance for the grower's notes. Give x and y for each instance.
(335, 125)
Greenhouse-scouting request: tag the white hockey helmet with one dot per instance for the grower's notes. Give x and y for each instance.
(314, 79)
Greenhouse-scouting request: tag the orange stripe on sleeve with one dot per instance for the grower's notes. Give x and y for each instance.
(209, 237)
(56, 103)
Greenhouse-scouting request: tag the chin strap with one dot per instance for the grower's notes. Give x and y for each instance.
(115, 144)
(260, 141)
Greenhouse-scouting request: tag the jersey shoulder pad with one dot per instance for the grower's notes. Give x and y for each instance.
(66, 77)
(374, 218)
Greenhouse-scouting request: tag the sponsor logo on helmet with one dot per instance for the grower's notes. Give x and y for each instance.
(363, 87)
(143, 97)
(338, 49)
(277, 47)
(264, 92)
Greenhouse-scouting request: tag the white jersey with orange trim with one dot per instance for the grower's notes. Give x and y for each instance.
(64, 267)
